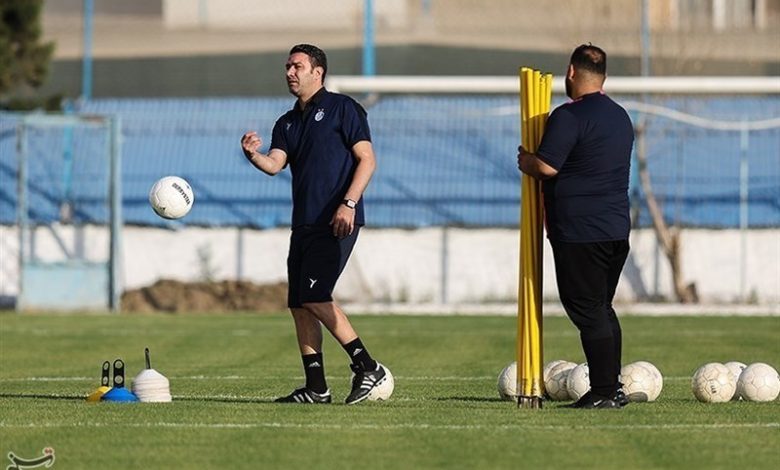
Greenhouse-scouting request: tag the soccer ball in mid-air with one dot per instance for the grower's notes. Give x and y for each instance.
(759, 382)
(736, 369)
(171, 197)
(555, 380)
(640, 383)
(713, 383)
(507, 383)
(384, 389)
(578, 381)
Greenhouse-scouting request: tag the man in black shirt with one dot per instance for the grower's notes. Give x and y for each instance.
(584, 161)
(326, 141)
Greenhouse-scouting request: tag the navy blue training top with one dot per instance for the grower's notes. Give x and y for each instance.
(589, 142)
(318, 142)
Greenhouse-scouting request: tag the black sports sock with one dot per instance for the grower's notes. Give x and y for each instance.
(600, 354)
(314, 368)
(359, 354)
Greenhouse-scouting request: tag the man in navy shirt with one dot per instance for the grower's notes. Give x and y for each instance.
(326, 141)
(584, 160)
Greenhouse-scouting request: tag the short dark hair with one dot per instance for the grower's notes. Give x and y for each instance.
(316, 55)
(589, 58)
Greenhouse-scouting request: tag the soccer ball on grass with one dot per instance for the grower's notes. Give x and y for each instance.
(384, 389)
(759, 382)
(555, 380)
(736, 369)
(713, 383)
(507, 382)
(640, 382)
(578, 381)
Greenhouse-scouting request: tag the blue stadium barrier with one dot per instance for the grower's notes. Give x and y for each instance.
(443, 160)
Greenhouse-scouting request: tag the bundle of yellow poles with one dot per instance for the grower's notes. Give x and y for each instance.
(535, 97)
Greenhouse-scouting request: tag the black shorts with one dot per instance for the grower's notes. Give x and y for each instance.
(315, 262)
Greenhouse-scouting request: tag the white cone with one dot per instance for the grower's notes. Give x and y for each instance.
(152, 387)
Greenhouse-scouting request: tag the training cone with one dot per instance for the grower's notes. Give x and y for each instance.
(151, 386)
(119, 393)
(98, 394)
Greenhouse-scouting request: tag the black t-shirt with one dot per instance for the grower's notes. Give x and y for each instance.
(318, 142)
(589, 142)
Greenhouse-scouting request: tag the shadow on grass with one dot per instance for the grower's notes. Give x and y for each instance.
(39, 396)
(225, 399)
(470, 399)
(43, 397)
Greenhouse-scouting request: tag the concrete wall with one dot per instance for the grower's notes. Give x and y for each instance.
(419, 266)
(272, 15)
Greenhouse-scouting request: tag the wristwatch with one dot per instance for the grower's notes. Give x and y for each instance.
(349, 203)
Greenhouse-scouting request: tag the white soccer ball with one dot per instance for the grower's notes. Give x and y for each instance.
(384, 389)
(659, 378)
(555, 384)
(713, 383)
(759, 382)
(548, 368)
(578, 381)
(640, 383)
(171, 197)
(736, 369)
(507, 383)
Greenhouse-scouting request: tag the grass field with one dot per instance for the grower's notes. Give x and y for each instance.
(445, 413)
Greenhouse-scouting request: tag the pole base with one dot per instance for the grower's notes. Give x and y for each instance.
(529, 402)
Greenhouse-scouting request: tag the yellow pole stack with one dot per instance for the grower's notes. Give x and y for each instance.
(535, 97)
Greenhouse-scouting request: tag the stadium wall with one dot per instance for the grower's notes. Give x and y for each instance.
(426, 265)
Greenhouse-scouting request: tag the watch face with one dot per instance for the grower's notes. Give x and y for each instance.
(350, 203)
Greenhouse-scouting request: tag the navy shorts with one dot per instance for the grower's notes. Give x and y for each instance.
(315, 262)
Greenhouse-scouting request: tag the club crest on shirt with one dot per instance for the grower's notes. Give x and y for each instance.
(287, 126)
(320, 114)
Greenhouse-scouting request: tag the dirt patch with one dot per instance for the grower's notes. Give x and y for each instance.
(184, 297)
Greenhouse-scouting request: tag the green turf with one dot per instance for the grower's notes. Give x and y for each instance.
(445, 412)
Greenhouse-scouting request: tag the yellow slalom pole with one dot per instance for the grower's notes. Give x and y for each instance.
(535, 95)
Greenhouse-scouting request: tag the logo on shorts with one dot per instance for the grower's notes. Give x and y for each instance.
(320, 114)
(313, 281)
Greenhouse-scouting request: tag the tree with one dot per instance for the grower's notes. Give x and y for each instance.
(24, 59)
(668, 237)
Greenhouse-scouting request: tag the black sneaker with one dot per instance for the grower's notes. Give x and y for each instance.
(592, 401)
(620, 398)
(304, 395)
(363, 382)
